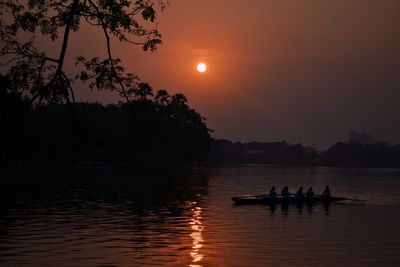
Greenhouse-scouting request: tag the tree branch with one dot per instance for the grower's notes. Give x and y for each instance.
(71, 14)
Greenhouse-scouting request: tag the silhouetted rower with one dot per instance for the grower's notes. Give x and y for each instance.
(285, 192)
(272, 193)
(327, 192)
(310, 193)
(299, 194)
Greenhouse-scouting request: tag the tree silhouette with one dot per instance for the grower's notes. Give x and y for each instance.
(160, 123)
(168, 133)
(32, 72)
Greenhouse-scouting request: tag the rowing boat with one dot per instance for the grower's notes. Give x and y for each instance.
(264, 199)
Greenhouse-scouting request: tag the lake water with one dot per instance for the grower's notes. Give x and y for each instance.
(192, 222)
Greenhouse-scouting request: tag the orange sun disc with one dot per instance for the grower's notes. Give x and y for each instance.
(201, 67)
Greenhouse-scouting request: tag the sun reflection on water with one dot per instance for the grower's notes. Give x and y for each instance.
(197, 229)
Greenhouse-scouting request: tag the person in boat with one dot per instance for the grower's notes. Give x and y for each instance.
(285, 192)
(310, 193)
(299, 194)
(272, 193)
(326, 193)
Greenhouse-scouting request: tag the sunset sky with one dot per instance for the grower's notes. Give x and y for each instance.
(305, 71)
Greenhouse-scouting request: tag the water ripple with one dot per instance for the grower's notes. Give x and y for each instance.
(199, 226)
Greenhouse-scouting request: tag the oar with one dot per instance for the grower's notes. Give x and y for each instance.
(355, 199)
(351, 199)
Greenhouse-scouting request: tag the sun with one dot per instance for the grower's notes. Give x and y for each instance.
(201, 67)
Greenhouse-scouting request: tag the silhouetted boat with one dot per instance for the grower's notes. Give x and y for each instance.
(264, 199)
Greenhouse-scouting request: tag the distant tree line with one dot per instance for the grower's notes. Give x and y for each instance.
(341, 154)
(153, 131)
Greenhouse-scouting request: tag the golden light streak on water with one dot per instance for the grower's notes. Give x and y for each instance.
(196, 235)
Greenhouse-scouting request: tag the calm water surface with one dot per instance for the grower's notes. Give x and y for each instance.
(192, 222)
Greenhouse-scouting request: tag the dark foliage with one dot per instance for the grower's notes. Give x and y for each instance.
(223, 151)
(48, 127)
(35, 73)
(167, 134)
(361, 155)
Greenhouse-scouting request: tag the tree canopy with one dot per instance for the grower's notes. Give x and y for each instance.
(160, 128)
(168, 133)
(33, 72)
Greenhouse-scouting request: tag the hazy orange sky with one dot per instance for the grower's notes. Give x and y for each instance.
(305, 71)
